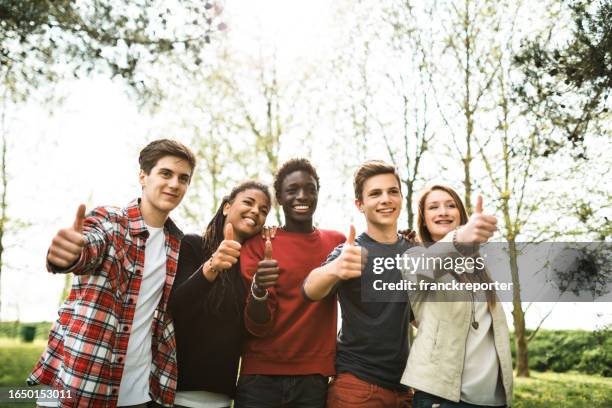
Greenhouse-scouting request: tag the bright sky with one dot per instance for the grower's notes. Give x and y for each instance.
(87, 152)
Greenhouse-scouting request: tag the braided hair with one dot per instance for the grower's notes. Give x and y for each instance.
(211, 239)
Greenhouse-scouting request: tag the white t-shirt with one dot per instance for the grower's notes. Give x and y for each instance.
(202, 399)
(134, 388)
(481, 381)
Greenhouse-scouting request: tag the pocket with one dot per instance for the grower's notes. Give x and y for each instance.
(349, 389)
(422, 400)
(317, 381)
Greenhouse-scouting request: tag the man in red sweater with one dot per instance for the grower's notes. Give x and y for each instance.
(292, 352)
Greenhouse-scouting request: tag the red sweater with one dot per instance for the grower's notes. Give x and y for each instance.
(300, 337)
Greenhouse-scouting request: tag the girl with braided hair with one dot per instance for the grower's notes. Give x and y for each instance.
(208, 298)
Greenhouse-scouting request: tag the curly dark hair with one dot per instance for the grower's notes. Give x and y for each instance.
(289, 167)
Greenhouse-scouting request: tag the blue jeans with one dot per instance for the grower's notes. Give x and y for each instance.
(425, 400)
(276, 391)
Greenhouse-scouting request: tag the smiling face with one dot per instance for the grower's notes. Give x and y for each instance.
(382, 202)
(247, 213)
(298, 197)
(163, 188)
(442, 214)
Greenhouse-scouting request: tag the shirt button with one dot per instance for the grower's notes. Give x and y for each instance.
(114, 391)
(125, 328)
(130, 301)
(120, 359)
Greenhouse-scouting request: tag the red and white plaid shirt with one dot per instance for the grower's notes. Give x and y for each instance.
(88, 342)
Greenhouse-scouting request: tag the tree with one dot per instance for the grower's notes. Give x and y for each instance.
(387, 102)
(569, 83)
(38, 37)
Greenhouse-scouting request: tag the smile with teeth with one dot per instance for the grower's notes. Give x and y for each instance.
(301, 208)
(386, 210)
(444, 222)
(250, 221)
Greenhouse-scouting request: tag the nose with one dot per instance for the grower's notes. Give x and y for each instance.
(385, 197)
(443, 210)
(301, 194)
(173, 182)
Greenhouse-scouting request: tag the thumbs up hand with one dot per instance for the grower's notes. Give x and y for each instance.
(228, 252)
(267, 271)
(351, 259)
(68, 243)
(479, 228)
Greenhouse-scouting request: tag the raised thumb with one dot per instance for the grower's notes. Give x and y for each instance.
(79, 219)
(268, 250)
(478, 208)
(351, 236)
(228, 232)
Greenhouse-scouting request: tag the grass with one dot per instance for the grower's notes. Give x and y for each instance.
(541, 390)
(563, 390)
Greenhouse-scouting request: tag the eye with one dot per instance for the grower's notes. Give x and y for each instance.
(184, 179)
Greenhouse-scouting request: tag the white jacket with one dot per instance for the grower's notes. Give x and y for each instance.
(435, 362)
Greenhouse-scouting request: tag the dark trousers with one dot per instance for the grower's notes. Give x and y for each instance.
(425, 400)
(276, 391)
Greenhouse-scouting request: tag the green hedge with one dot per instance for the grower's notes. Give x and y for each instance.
(550, 350)
(13, 330)
(564, 350)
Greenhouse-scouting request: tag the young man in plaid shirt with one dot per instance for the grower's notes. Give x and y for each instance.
(113, 343)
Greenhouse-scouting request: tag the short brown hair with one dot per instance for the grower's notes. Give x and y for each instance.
(369, 169)
(150, 155)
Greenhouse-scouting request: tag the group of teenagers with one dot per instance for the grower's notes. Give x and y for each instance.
(246, 315)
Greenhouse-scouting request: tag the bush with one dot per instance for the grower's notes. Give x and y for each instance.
(13, 330)
(564, 350)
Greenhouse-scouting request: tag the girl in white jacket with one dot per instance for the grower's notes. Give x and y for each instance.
(461, 354)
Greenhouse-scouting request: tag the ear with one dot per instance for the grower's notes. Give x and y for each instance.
(226, 208)
(141, 178)
(359, 205)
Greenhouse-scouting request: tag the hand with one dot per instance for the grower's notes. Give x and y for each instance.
(268, 232)
(68, 243)
(352, 258)
(408, 234)
(479, 228)
(267, 271)
(228, 252)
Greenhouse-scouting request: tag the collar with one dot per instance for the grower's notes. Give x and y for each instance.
(137, 225)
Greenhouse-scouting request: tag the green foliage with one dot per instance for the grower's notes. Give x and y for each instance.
(13, 329)
(39, 39)
(566, 350)
(569, 84)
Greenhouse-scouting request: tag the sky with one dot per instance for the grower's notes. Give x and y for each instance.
(86, 151)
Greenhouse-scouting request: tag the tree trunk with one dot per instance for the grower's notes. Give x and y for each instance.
(522, 360)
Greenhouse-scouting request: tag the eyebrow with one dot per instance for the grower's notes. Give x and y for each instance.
(296, 184)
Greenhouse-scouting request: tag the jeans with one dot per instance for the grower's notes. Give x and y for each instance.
(276, 391)
(348, 391)
(425, 400)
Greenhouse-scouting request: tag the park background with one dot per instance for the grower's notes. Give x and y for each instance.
(504, 98)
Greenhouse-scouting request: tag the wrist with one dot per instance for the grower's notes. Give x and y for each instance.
(258, 293)
(464, 248)
(209, 271)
